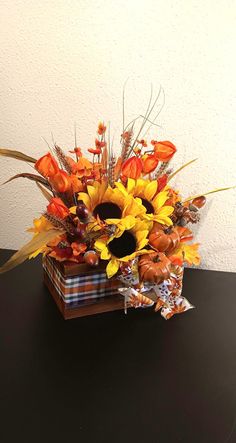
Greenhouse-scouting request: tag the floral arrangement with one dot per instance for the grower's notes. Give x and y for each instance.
(121, 210)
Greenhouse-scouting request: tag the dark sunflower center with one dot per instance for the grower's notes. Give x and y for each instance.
(148, 206)
(107, 210)
(122, 246)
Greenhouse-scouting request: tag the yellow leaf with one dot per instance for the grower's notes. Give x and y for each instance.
(191, 254)
(186, 253)
(38, 241)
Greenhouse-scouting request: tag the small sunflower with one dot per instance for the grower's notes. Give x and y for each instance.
(124, 245)
(105, 202)
(154, 202)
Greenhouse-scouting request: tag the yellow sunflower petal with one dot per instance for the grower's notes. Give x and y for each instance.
(121, 188)
(133, 206)
(141, 237)
(166, 210)
(112, 221)
(150, 190)
(160, 200)
(130, 185)
(141, 225)
(105, 254)
(128, 222)
(139, 187)
(93, 193)
(85, 199)
(163, 220)
(112, 267)
(134, 255)
(73, 210)
(100, 244)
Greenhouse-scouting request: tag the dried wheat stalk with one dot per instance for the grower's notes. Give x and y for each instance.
(62, 159)
(59, 223)
(127, 138)
(161, 169)
(111, 171)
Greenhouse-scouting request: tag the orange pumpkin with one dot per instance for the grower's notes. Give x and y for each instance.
(162, 239)
(154, 267)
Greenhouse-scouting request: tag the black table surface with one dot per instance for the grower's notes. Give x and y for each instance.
(116, 378)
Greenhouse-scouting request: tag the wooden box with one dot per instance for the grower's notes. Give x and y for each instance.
(80, 290)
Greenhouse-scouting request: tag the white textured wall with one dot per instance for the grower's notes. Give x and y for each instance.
(62, 61)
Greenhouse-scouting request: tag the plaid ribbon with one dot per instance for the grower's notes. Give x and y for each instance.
(80, 289)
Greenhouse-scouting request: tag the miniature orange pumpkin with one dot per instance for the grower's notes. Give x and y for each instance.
(164, 240)
(154, 267)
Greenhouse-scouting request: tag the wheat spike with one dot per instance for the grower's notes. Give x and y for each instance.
(59, 223)
(62, 159)
(161, 169)
(111, 171)
(127, 138)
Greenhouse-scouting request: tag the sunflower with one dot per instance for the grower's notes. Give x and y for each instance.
(124, 245)
(153, 201)
(105, 202)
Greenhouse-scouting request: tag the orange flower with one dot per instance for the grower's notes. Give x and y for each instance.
(47, 165)
(132, 168)
(137, 150)
(60, 181)
(163, 151)
(81, 168)
(97, 171)
(173, 197)
(75, 184)
(150, 163)
(58, 208)
(78, 248)
(101, 128)
(143, 143)
(76, 151)
(96, 151)
(99, 144)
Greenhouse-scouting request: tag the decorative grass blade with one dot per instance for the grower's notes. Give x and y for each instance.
(180, 169)
(45, 193)
(209, 192)
(34, 177)
(17, 155)
(35, 243)
(104, 158)
(117, 168)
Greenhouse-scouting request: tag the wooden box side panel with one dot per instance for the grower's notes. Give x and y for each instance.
(106, 304)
